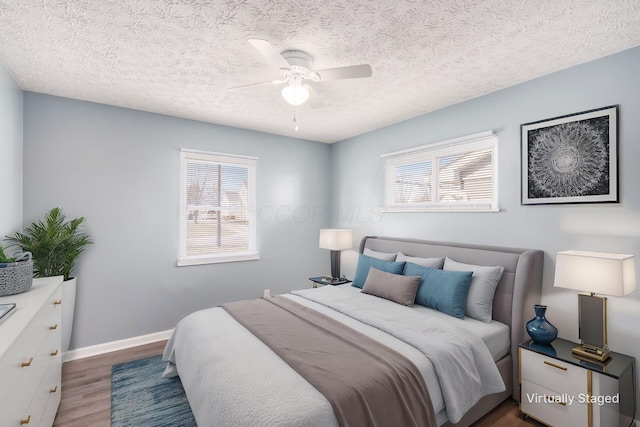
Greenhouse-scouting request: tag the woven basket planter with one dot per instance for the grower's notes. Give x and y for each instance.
(16, 277)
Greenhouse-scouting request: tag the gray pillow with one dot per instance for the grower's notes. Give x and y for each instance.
(384, 256)
(483, 287)
(394, 287)
(424, 262)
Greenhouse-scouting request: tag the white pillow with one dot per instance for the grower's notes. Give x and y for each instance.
(484, 282)
(384, 256)
(424, 262)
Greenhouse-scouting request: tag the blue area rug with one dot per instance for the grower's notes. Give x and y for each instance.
(140, 397)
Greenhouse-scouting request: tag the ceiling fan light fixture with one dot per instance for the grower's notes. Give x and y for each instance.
(295, 68)
(295, 93)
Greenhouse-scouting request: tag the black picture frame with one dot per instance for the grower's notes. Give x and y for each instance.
(571, 159)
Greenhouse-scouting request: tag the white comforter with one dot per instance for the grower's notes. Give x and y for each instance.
(232, 379)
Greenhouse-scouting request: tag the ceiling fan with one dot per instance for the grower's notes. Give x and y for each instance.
(296, 71)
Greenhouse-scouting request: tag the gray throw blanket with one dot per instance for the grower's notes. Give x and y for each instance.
(367, 383)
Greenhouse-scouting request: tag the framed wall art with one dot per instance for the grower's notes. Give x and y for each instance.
(571, 159)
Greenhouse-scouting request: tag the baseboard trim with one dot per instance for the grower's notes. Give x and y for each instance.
(95, 350)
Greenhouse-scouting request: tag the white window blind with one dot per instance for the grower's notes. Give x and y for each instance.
(454, 175)
(217, 208)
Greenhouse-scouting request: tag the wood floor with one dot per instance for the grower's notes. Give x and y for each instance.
(86, 392)
(86, 386)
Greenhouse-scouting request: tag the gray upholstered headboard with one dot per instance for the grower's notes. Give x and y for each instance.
(519, 289)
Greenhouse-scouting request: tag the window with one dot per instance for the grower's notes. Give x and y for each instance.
(454, 175)
(217, 208)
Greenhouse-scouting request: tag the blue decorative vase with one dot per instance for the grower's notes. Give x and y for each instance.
(539, 328)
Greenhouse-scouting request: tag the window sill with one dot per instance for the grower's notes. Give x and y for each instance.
(443, 209)
(218, 260)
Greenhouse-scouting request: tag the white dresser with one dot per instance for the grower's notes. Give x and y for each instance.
(30, 356)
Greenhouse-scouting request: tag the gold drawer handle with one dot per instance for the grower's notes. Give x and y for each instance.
(53, 390)
(28, 363)
(555, 366)
(55, 353)
(57, 302)
(26, 420)
(552, 399)
(53, 327)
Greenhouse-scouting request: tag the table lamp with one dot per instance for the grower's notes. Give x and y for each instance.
(335, 240)
(596, 273)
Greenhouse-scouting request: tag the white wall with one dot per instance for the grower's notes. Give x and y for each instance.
(119, 169)
(358, 183)
(10, 155)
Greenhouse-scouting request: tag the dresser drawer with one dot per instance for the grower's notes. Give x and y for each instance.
(47, 395)
(52, 309)
(553, 374)
(51, 391)
(51, 345)
(553, 408)
(23, 350)
(53, 377)
(49, 415)
(24, 364)
(22, 393)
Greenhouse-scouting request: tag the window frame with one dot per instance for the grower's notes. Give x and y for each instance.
(433, 152)
(251, 163)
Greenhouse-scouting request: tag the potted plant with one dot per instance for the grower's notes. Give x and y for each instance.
(55, 245)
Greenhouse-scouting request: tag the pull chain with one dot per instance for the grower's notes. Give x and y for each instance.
(295, 121)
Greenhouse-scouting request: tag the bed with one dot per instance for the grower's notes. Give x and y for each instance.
(232, 378)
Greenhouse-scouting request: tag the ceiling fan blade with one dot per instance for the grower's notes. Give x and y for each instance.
(270, 52)
(315, 100)
(351, 72)
(269, 82)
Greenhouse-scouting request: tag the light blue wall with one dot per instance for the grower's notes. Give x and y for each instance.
(358, 183)
(10, 155)
(119, 168)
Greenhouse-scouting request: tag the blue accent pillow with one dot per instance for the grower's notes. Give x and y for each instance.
(445, 291)
(366, 262)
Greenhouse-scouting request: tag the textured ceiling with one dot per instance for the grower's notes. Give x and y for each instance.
(178, 57)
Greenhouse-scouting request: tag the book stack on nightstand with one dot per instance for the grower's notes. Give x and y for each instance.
(562, 390)
(325, 280)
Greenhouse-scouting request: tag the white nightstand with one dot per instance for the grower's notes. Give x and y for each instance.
(561, 390)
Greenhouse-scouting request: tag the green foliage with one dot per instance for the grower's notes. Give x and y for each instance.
(54, 244)
(3, 257)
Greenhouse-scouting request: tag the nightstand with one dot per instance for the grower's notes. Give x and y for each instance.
(561, 390)
(323, 280)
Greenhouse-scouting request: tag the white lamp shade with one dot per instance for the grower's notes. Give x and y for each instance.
(597, 272)
(335, 239)
(295, 94)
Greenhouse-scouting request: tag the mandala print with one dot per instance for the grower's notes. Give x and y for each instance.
(570, 159)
